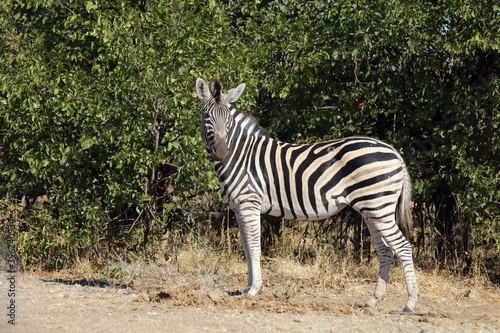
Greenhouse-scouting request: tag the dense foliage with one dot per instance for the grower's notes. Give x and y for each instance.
(99, 122)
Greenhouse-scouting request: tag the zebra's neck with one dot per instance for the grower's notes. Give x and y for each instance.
(246, 124)
(244, 131)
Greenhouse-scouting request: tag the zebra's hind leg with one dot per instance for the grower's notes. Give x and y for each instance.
(389, 240)
(248, 217)
(405, 257)
(385, 255)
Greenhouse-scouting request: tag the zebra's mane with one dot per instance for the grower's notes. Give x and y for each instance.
(216, 89)
(257, 129)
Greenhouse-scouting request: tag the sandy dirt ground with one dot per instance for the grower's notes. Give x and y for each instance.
(49, 303)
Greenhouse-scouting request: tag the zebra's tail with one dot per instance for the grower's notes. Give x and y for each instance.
(404, 217)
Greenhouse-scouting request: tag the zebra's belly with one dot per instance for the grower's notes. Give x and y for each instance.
(303, 212)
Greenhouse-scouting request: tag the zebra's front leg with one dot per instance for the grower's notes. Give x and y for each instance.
(248, 216)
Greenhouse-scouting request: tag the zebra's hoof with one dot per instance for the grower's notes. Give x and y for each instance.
(369, 310)
(408, 310)
(251, 291)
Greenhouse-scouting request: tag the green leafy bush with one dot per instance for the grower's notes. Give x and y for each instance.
(98, 113)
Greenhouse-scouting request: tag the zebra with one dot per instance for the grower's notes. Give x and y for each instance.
(260, 175)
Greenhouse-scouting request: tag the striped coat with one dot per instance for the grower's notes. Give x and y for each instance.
(260, 175)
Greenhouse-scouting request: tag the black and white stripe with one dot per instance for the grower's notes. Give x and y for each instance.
(258, 174)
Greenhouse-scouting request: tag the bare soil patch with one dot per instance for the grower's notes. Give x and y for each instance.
(63, 303)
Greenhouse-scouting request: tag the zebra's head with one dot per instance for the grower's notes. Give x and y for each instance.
(216, 116)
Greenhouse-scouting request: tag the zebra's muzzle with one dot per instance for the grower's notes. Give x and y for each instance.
(220, 149)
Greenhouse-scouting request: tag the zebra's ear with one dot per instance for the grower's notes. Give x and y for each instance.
(202, 89)
(235, 93)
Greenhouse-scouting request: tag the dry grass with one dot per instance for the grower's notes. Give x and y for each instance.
(326, 272)
(300, 278)
(207, 270)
